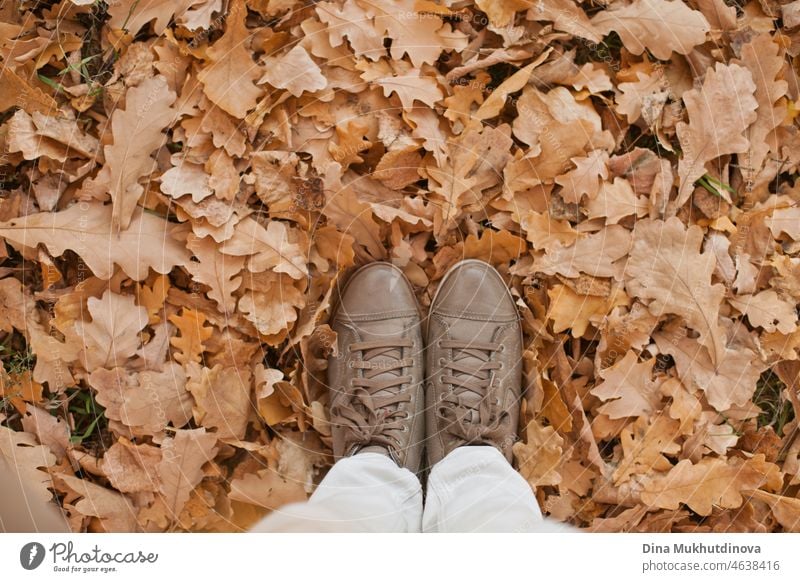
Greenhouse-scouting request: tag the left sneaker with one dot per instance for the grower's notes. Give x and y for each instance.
(376, 381)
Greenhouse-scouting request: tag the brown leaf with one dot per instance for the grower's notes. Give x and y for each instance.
(114, 511)
(50, 430)
(660, 26)
(539, 457)
(191, 324)
(27, 459)
(132, 468)
(86, 229)
(113, 334)
(707, 135)
(146, 114)
(712, 482)
(222, 399)
(228, 80)
(729, 381)
(180, 469)
(667, 268)
(145, 402)
(627, 388)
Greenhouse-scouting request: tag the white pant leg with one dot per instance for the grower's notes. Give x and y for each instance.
(367, 492)
(475, 489)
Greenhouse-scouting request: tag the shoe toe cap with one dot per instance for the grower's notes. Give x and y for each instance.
(376, 289)
(476, 289)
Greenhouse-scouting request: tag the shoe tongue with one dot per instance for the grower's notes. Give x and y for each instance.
(381, 330)
(464, 330)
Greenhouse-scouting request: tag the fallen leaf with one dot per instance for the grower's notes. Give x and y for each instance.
(86, 228)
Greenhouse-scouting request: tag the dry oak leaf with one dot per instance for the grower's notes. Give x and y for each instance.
(132, 15)
(643, 98)
(495, 247)
(146, 402)
(351, 20)
(27, 459)
(20, 389)
(113, 334)
(50, 430)
(409, 86)
(334, 246)
(146, 114)
(86, 229)
(542, 230)
(730, 381)
(765, 60)
(596, 255)
(180, 469)
(272, 304)
(768, 310)
(627, 388)
(131, 468)
(667, 268)
(496, 101)
(712, 482)
(575, 311)
(38, 135)
(267, 248)
(474, 163)
(501, 12)
(565, 16)
(13, 305)
(352, 140)
(353, 218)
(785, 220)
(185, 178)
(616, 200)
(16, 91)
(586, 178)
(295, 71)
(539, 457)
(228, 80)
(114, 510)
(193, 332)
(785, 509)
(220, 272)
(708, 135)
(660, 26)
(645, 445)
(416, 30)
(222, 399)
(152, 297)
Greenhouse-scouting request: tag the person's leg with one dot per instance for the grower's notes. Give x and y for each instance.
(367, 492)
(474, 363)
(376, 412)
(477, 489)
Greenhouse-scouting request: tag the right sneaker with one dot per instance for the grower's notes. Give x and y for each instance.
(376, 394)
(474, 362)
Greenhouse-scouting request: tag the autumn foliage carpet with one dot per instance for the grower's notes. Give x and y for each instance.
(182, 185)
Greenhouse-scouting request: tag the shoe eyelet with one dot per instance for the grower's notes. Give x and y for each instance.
(439, 344)
(442, 361)
(497, 402)
(500, 367)
(405, 429)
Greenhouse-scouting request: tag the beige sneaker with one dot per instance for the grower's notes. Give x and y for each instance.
(376, 380)
(474, 362)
